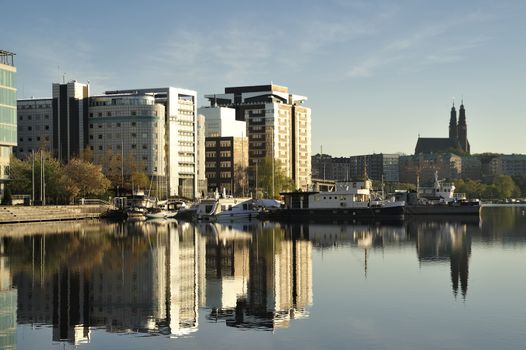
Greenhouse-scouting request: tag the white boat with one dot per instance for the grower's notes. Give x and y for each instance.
(226, 209)
(346, 200)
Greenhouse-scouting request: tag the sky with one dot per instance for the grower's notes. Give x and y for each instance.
(376, 73)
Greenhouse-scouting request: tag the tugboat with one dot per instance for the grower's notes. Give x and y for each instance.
(353, 201)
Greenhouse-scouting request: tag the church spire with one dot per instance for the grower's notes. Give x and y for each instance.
(453, 133)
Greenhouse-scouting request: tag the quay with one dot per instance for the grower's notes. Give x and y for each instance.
(21, 214)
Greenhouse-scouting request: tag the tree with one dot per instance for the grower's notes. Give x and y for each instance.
(272, 183)
(87, 176)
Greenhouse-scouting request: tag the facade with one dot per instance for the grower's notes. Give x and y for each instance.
(471, 168)
(277, 125)
(126, 134)
(226, 164)
(201, 169)
(181, 133)
(70, 116)
(8, 129)
(375, 166)
(511, 165)
(226, 150)
(35, 126)
(457, 140)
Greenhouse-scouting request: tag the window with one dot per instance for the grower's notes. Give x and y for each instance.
(91, 126)
(108, 114)
(30, 139)
(91, 115)
(133, 134)
(100, 114)
(133, 146)
(21, 139)
(29, 128)
(91, 137)
(21, 117)
(133, 123)
(144, 146)
(118, 125)
(47, 127)
(28, 117)
(100, 148)
(99, 126)
(100, 136)
(38, 138)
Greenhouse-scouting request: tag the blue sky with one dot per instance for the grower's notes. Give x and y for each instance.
(377, 73)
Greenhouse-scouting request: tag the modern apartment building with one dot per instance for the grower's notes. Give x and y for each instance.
(277, 125)
(126, 134)
(181, 133)
(8, 138)
(158, 127)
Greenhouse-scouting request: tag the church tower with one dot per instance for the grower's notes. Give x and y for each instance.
(462, 130)
(453, 135)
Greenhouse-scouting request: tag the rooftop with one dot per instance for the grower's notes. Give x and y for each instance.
(7, 58)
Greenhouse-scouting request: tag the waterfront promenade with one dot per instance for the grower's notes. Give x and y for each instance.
(19, 214)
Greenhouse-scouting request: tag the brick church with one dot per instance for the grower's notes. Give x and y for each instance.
(457, 140)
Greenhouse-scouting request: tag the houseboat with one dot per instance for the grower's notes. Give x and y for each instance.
(346, 201)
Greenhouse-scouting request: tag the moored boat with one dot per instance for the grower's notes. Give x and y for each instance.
(347, 201)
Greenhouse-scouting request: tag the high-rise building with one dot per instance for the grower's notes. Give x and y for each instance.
(278, 126)
(70, 117)
(7, 114)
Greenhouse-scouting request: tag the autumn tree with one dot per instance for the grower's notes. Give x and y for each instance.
(87, 177)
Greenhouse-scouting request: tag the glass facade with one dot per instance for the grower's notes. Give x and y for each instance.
(7, 105)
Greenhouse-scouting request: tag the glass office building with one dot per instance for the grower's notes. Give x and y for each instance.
(7, 114)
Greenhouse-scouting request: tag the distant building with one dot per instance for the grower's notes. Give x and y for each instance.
(422, 167)
(511, 165)
(277, 125)
(457, 140)
(375, 166)
(471, 168)
(8, 138)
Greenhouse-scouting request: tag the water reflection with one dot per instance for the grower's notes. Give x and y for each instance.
(159, 277)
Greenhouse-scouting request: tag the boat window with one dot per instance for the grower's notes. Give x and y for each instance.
(230, 208)
(223, 207)
(324, 197)
(245, 206)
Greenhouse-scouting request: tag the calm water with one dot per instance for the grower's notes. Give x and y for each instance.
(434, 284)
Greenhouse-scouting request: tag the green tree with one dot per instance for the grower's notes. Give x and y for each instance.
(506, 187)
(272, 183)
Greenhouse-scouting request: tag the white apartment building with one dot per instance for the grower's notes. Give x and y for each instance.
(180, 136)
(127, 134)
(277, 125)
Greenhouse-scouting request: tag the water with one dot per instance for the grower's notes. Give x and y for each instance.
(434, 283)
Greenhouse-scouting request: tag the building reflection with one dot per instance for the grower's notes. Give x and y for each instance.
(8, 300)
(153, 278)
(445, 241)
